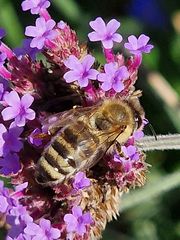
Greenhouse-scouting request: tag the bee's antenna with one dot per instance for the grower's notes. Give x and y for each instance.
(152, 130)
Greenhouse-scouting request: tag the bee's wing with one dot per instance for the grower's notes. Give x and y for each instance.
(94, 151)
(56, 121)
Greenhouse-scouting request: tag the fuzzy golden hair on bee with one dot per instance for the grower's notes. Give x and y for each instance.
(82, 136)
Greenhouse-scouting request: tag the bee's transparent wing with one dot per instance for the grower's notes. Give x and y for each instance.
(55, 122)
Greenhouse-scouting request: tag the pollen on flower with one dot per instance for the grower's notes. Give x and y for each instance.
(50, 119)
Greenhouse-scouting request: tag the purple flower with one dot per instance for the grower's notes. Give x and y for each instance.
(26, 49)
(10, 164)
(9, 139)
(19, 214)
(81, 181)
(3, 204)
(131, 155)
(130, 152)
(126, 163)
(20, 188)
(61, 24)
(80, 71)
(18, 218)
(3, 91)
(2, 33)
(41, 32)
(3, 57)
(16, 214)
(20, 237)
(138, 45)
(138, 135)
(113, 77)
(35, 5)
(6, 202)
(18, 108)
(4, 198)
(33, 139)
(105, 33)
(77, 221)
(42, 231)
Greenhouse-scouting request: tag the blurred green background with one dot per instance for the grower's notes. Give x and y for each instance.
(153, 212)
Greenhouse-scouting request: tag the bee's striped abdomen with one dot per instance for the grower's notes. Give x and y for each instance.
(67, 151)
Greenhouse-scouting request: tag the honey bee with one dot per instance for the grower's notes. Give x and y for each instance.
(81, 136)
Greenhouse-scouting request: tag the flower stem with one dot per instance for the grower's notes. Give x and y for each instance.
(163, 142)
(109, 55)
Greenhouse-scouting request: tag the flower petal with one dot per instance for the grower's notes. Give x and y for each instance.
(27, 100)
(72, 63)
(9, 113)
(31, 31)
(12, 99)
(102, 77)
(118, 86)
(94, 36)
(106, 86)
(77, 211)
(98, 25)
(108, 44)
(55, 233)
(20, 120)
(133, 41)
(30, 114)
(87, 62)
(142, 40)
(112, 26)
(83, 82)
(71, 76)
(92, 74)
(117, 37)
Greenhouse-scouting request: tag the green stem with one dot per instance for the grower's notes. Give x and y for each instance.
(152, 190)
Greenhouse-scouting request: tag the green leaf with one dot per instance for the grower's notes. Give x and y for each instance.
(69, 8)
(151, 190)
(9, 20)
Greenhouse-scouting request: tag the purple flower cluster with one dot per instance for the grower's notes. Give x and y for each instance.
(13, 107)
(22, 225)
(9, 146)
(30, 91)
(77, 221)
(113, 75)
